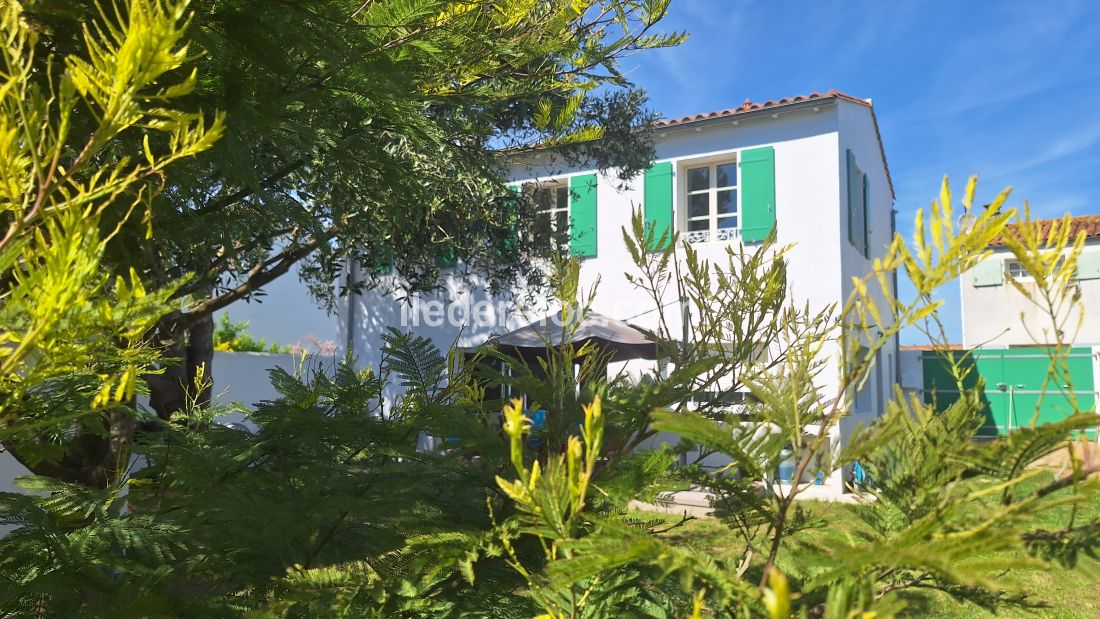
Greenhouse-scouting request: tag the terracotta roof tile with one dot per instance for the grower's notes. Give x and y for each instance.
(749, 106)
(1089, 224)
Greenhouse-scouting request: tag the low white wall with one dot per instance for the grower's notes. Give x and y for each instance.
(9, 470)
(244, 377)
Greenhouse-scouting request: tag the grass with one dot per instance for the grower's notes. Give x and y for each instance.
(1058, 592)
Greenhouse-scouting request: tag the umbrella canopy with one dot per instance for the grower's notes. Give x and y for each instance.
(622, 340)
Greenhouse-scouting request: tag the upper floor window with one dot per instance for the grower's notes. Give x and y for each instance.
(565, 213)
(1016, 269)
(552, 207)
(711, 207)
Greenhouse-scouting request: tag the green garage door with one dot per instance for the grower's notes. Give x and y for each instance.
(1013, 385)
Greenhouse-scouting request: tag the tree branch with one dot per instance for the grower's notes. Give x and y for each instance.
(258, 277)
(241, 194)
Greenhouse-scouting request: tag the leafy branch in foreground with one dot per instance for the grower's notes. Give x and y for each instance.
(72, 338)
(945, 511)
(445, 503)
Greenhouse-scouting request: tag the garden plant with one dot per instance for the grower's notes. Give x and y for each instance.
(341, 501)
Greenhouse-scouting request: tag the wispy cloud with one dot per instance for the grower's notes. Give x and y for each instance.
(1058, 150)
(1005, 89)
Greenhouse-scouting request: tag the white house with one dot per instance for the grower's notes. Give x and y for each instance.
(1005, 338)
(996, 315)
(811, 166)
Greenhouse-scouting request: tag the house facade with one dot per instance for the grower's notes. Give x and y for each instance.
(1006, 338)
(995, 314)
(811, 167)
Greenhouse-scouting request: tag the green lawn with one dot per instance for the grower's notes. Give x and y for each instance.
(1064, 593)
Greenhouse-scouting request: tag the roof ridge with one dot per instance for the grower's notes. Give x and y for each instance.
(1088, 223)
(750, 106)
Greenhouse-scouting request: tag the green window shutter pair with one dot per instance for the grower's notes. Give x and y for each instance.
(757, 193)
(1088, 265)
(989, 272)
(757, 197)
(582, 215)
(582, 218)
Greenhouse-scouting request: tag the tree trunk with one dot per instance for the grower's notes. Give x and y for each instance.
(200, 358)
(190, 351)
(168, 389)
(91, 458)
(95, 458)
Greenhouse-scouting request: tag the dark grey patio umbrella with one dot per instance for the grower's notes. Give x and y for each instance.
(619, 340)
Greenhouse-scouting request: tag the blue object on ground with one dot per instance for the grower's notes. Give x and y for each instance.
(538, 424)
(786, 467)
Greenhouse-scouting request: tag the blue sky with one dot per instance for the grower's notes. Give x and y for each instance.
(1006, 90)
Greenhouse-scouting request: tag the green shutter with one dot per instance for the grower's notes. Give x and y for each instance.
(507, 248)
(582, 215)
(383, 264)
(990, 272)
(757, 194)
(855, 206)
(858, 205)
(657, 203)
(447, 257)
(1088, 265)
(865, 217)
(855, 196)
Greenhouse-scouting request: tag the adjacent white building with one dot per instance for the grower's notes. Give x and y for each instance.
(995, 314)
(812, 167)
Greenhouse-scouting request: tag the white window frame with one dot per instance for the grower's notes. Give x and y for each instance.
(713, 234)
(555, 184)
(1025, 276)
